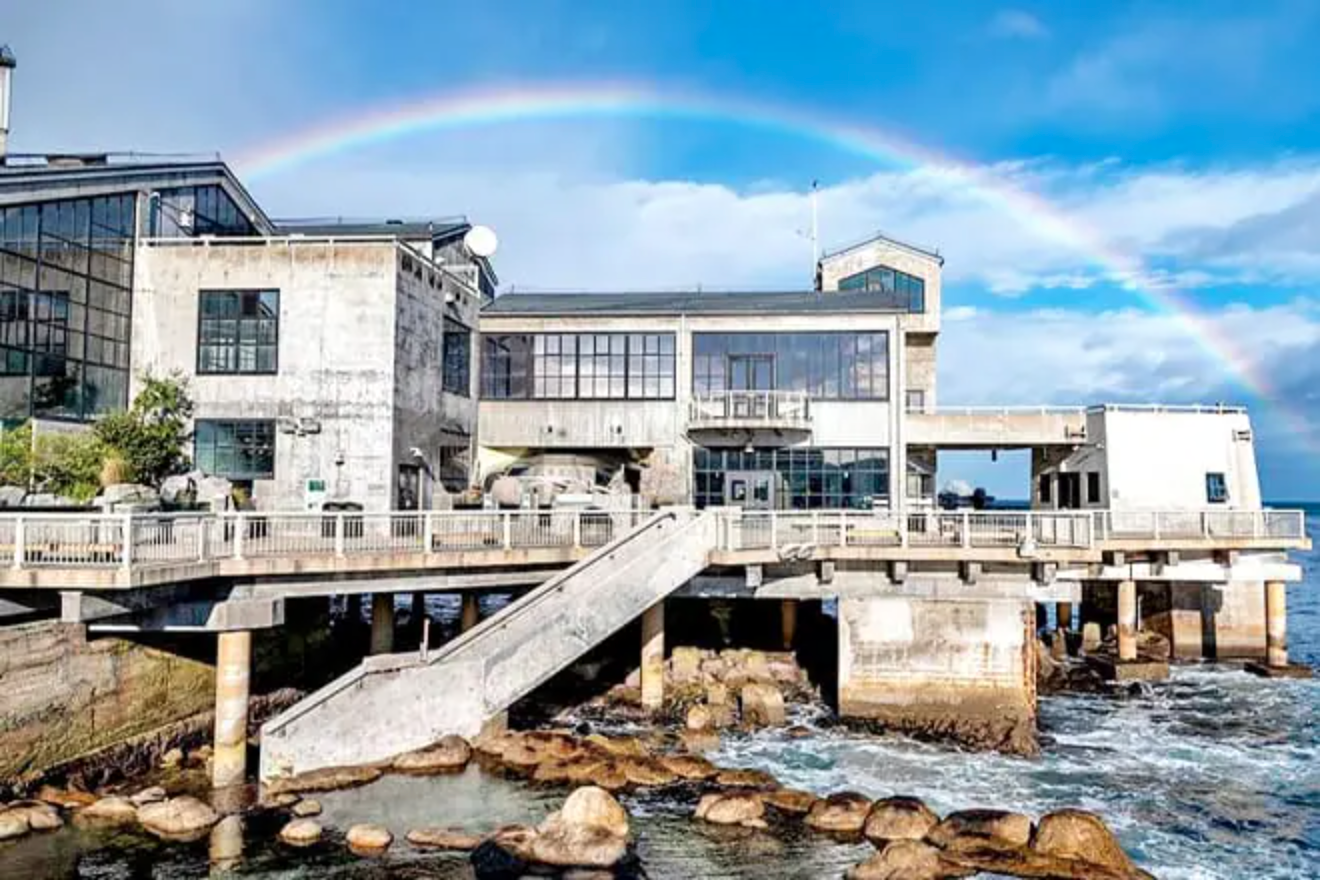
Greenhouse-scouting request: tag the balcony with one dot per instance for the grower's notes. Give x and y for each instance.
(777, 412)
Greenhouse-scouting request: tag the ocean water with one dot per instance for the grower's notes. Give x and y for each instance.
(1214, 774)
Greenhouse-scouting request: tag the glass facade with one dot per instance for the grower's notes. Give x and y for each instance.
(807, 478)
(66, 276)
(824, 365)
(235, 449)
(193, 211)
(456, 358)
(906, 291)
(238, 331)
(579, 366)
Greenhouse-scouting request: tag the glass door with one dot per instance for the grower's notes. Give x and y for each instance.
(751, 373)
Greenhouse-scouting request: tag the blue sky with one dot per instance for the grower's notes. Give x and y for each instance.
(1182, 135)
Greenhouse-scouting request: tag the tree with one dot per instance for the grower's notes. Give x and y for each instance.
(150, 437)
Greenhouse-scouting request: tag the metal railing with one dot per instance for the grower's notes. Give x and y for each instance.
(779, 530)
(728, 409)
(127, 540)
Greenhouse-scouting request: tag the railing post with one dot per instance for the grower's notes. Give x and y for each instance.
(20, 542)
(505, 531)
(1156, 525)
(844, 530)
(127, 553)
(965, 540)
(902, 531)
(239, 529)
(1258, 531)
(812, 517)
(578, 529)
(426, 532)
(773, 530)
(339, 535)
(203, 529)
(1205, 524)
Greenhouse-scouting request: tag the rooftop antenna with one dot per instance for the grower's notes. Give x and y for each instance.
(812, 234)
(7, 65)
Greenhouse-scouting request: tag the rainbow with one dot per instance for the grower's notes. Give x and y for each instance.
(486, 106)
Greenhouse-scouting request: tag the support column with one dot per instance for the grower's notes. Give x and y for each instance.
(653, 666)
(229, 761)
(1126, 620)
(789, 620)
(1064, 615)
(419, 608)
(353, 608)
(469, 616)
(1277, 651)
(383, 623)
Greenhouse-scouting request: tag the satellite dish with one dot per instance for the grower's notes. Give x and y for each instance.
(481, 241)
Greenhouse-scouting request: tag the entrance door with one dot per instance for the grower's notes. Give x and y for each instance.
(1068, 492)
(750, 373)
(750, 490)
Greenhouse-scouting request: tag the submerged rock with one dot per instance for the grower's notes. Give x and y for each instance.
(648, 773)
(179, 818)
(305, 808)
(155, 794)
(65, 799)
(41, 816)
(732, 809)
(790, 801)
(450, 754)
(761, 704)
(845, 812)
(13, 823)
(368, 839)
(971, 828)
(899, 818)
(745, 778)
(697, 741)
(107, 810)
(689, 767)
(331, 779)
(444, 838)
(300, 832)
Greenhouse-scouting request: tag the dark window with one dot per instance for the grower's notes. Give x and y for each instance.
(824, 365)
(903, 291)
(1094, 487)
(914, 400)
(806, 477)
(584, 366)
(238, 331)
(235, 449)
(191, 211)
(1044, 489)
(456, 358)
(1216, 489)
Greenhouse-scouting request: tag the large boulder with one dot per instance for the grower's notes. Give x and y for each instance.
(13, 823)
(333, 778)
(153, 794)
(899, 818)
(906, 860)
(755, 779)
(118, 496)
(560, 844)
(65, 799)
(648, 773)
(740, 809)
(790, 801)
(618, 745)
(993, 828)
(689, 767)
(368, 839)
(305, 808)
(12, 496)
(450, 754)
(107, 810)
(1080, 835)
(300, 832)
(444, 838)
(179, 818)
(842, 813)
(41, 816)
(761, 704)
(594, 807)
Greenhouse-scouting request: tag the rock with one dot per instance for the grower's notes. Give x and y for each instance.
(717, 694)
(444, 838)
(12, 496)
(790, 801)
(1023, 863)
(906, 860)
(1059, 648)
(179, 818)
(47, 500)
(552, 772)
(899, 818)
(1092, 637)
(493, 861)
(300, 832)
(172, 758)
(117, 495)
(331, 779)
(799, 732)
(697, 741)
(305, 808)
(746, 778)
(65, 799)
(785, 672)
(730, 808)
(618, 746)
(689, 767)
(707, 717)
(13, 823)
(648, 773)
(844, 812)
(1153, 646)
(282, 800)
(685, 664)
(41, 816)
(761, 704)
(450, 754)
(594, 807)
(108, 810)
(155, 794)
(368, 839)
(215, 492)
(1075, 834)
(561, 844)
(715, 668)
(993, 828)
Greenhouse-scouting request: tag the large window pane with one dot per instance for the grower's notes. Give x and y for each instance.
(586, 366)
(235, 449)
(238, 332)
(456, 357)
(896, 289)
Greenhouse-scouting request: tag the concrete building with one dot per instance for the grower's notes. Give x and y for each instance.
(328, 360)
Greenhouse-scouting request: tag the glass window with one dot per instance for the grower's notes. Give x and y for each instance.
(586, 366)
(849, 479)
(238, 331)
(234, 448)
(1044, 489)
(1216, 489)
(903, 292)
(456, 357)
(914, 400)
(825, 365)
(1094, 487)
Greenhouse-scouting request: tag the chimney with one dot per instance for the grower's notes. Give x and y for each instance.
(7, 65)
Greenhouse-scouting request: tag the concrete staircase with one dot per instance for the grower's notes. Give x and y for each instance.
(390, 704)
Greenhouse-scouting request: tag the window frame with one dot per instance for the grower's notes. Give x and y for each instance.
(1093, 494)
(453, 328)
(1220, 479)
(503, 375)
(236, 423)
(237, 342)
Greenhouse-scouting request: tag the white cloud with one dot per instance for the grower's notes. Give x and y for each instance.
(1018, 24)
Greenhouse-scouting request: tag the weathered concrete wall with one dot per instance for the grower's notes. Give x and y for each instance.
(63, 695)
(920, 366)
(958, 668)
(1203, 620)
(336, 354)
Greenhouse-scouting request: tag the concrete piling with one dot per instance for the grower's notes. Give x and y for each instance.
(652, 667)
(469, 615)
(1126, 602)
(789, 619)
(233, 666)
(383, 623)
(1064, 615)
(1277, 649)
